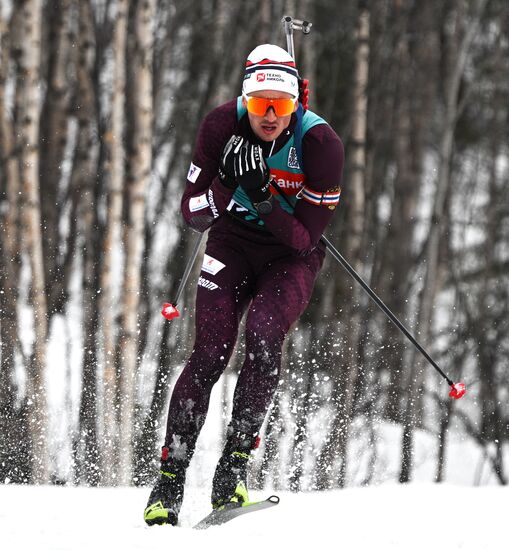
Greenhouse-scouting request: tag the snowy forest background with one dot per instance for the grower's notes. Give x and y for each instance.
(99, 105)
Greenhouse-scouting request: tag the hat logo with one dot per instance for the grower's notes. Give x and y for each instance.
(260, 77)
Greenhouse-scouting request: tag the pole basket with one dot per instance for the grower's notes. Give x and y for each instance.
(170, 311)
(458, 390)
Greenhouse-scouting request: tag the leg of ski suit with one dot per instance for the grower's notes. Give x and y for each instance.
(282, 293)
(277, 285)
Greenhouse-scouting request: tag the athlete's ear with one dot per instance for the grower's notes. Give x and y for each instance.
(244, 102)
(296, 106)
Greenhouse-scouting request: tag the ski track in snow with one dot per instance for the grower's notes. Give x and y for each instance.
(390, 516)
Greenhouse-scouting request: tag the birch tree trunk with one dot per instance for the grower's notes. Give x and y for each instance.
(273, 434)
(108, 306)
(300, 439)
(9, 237)
(28, 142)
(140, 163)
(410, 107)
(457, 54)
(493, 423)
(219, 91)
(356, 228)
(15, 454)
(53, 141)
(337, 439)
(172, 352)
(83, 182)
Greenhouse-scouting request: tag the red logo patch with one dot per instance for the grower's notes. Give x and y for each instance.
(260, 77)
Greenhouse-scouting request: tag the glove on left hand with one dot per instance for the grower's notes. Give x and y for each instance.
(227, 162)
(251, 172)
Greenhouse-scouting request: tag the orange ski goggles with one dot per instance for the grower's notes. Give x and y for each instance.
(259, 105)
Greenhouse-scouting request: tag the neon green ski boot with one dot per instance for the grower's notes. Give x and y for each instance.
(230, 478)
(165, 499)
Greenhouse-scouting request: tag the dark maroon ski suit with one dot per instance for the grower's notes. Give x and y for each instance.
(269, 271)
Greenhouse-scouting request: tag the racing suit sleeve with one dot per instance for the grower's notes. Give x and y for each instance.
(205, 198)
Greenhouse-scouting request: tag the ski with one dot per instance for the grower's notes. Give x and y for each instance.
(233, 510)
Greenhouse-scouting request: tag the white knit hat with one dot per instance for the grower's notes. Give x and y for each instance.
(269, 67)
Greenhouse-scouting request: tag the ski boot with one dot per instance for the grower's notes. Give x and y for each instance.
(165, 500)
(230, 478)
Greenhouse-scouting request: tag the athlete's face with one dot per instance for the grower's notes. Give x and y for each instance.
(269, 126)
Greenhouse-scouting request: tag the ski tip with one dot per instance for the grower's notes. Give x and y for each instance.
(227, 513)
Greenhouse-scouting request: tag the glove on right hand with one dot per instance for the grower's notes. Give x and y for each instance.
(227, 162)
(252, 173)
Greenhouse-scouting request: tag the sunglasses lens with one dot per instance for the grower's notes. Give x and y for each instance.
(259, 105)
(284, 107)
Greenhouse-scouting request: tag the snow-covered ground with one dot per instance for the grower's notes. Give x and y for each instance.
(390, 516)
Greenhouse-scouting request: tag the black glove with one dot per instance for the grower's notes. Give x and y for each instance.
(251, 172)
(226, 164)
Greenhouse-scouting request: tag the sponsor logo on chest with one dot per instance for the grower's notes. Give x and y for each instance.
(293, 160)
(290, 182)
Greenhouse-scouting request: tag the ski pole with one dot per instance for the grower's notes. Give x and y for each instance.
(457, 389)
(170, 310)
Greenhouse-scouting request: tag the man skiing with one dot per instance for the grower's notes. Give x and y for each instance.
(265, 178)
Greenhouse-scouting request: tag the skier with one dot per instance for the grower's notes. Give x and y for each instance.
(265, 178)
